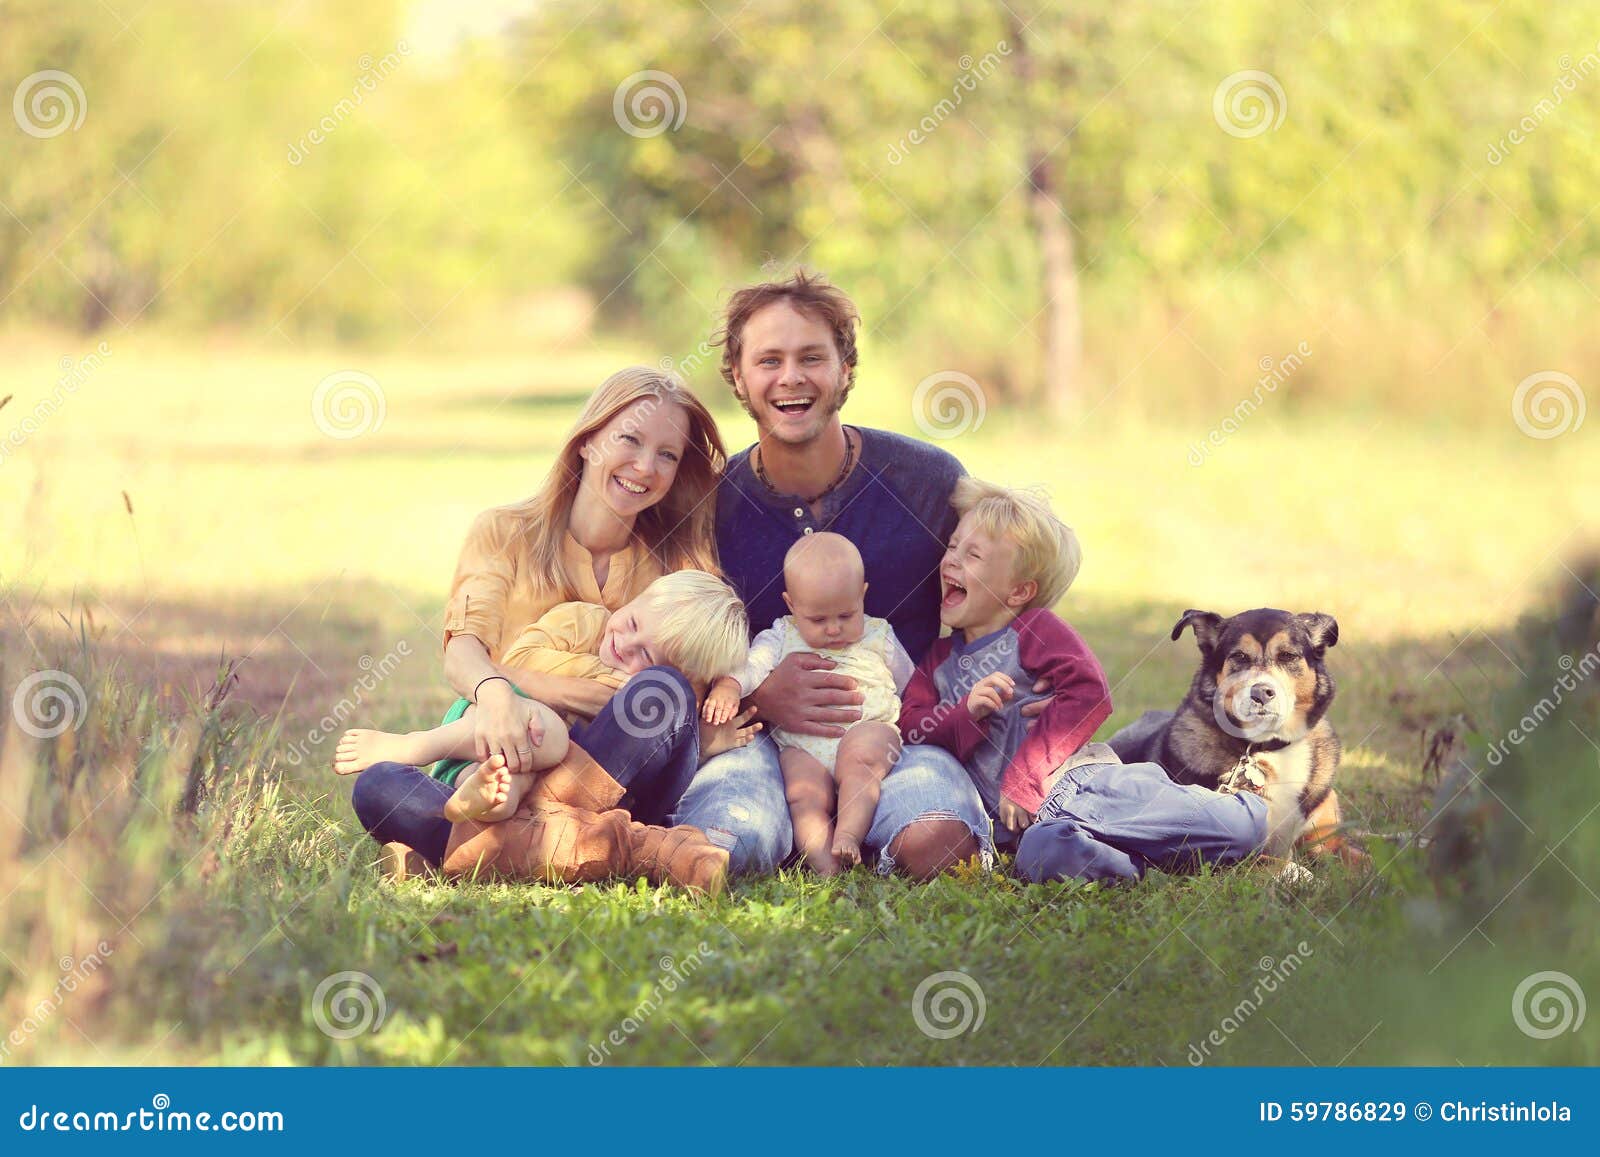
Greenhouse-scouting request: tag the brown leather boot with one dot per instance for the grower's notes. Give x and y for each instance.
(547, 843)
(564, 832)
(400, 863)
(681, 856)
(578, 781)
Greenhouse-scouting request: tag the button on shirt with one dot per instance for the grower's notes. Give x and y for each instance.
(895, 507)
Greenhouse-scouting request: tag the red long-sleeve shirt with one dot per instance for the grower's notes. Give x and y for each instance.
(1005, 754)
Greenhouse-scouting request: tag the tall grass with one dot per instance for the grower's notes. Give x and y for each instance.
(115, 810)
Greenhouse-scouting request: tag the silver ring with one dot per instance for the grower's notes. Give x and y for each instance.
(524, 751)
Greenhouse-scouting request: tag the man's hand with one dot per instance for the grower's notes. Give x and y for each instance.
(989, 694)
(722, 702)
(1014, 816)
(1036, 708)
(804, 697)
(735, 731)
(506, 724)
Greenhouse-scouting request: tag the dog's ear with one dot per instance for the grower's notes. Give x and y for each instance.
(1205, 624)
(1321, 629)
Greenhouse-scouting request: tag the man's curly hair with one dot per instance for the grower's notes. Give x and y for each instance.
(809, 294)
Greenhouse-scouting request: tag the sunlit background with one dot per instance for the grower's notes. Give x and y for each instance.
(1282, 304)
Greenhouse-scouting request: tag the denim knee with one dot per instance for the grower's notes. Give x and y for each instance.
(737, 799)
(928, 783)
(376, 790)
(1061, 850)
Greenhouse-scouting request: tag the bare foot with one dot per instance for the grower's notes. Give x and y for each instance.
(482, 790)
(360, 748)
(823, 864)
(847, 849)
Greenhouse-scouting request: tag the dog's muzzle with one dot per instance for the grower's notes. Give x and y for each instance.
(1250, 712)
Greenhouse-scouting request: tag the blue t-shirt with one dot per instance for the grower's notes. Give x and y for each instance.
(895, 507)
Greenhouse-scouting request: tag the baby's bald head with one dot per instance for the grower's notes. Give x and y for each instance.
(827, 557)
(825, 587)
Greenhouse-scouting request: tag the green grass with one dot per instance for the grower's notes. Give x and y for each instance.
(254, 536)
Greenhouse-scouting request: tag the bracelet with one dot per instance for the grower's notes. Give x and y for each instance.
(486, 679)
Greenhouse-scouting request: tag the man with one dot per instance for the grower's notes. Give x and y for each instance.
(789, 354)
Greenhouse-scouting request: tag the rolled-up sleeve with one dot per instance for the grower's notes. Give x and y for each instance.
(484, 575)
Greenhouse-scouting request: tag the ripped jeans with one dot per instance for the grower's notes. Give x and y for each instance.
(737, 799)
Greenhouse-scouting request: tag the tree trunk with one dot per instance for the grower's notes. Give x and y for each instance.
(1063, 324)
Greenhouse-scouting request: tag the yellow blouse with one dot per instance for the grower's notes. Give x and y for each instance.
(494, 597)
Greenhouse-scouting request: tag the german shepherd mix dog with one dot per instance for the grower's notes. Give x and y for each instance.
(1255, 719)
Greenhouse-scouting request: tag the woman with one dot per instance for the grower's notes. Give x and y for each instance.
(628, 499)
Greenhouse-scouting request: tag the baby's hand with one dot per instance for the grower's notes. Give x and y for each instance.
(990, 694)
(1014, 816)
(715, 738)
(722, 702)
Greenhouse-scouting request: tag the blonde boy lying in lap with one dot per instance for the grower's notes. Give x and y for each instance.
(825, 589)
(690, 620)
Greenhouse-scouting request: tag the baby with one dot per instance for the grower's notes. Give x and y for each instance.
(689, 619)
(825, 589)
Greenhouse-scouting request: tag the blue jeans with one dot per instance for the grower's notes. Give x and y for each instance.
(737, 799)
(647, 737)
(1112, 821)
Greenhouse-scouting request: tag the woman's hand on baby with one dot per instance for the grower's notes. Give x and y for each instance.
(1014, 816)
(735, 731)
(989, 694)
(506, 724)
(802, 695)
(722, 703)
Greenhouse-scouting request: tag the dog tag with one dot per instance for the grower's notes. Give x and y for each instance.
(1246, 775)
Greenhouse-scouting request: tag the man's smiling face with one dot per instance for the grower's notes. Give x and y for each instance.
(789, 376)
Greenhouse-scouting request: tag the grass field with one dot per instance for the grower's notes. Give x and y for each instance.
(181, 508)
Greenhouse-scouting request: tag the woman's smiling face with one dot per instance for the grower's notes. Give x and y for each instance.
(630, 462)
(789, 373)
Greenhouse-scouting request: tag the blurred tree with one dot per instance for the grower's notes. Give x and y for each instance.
(980, 177)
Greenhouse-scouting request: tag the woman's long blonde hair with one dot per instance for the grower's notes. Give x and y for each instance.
(679, 531)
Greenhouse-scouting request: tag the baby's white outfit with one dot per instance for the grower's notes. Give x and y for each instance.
(878, 664)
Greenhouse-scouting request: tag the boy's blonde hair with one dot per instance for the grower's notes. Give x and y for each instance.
(704, 632)
(1047, 549)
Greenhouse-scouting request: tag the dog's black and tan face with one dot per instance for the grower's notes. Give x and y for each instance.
(1262, 671)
